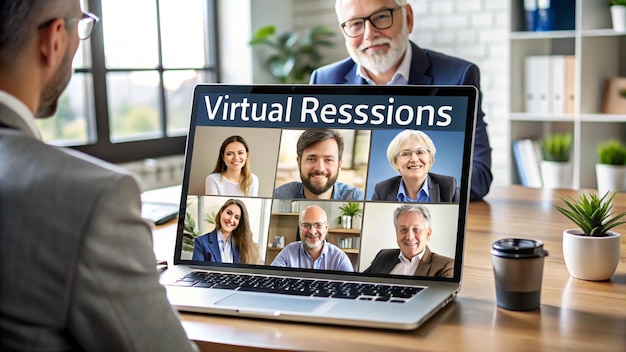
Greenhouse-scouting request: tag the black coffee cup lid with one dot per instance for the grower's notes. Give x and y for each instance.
(518, 248)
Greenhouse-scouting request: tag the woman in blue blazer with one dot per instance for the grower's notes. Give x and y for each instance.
(412, 154)
(231, 241)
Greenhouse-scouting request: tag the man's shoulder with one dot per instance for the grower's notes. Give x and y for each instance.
(344, 191)
(288, 190)
(333, 73)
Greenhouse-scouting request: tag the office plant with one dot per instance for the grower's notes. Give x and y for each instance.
(611, 166)
(591, 251)
(556, 147)
(556, 170)
(295, 56)
(349, 211)
(618, 15)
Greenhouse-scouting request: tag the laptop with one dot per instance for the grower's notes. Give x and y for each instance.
(271, 119)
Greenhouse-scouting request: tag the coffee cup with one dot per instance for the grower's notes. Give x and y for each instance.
(518, 271)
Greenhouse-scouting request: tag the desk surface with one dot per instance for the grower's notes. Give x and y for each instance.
(574, 314)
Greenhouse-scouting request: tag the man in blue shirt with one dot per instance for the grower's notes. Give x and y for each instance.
(319, 159)
(313, 251)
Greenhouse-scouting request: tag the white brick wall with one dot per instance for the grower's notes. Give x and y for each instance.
(475, 30)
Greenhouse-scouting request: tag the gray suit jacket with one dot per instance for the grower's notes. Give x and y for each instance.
(77, 270)
(431, 264)
(442, 189)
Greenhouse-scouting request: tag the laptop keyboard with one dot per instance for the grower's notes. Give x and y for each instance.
(299, 287)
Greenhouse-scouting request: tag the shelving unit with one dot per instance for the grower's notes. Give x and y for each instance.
(600, 54)
(286, 224)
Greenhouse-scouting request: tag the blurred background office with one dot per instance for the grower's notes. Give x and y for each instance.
(129, 101)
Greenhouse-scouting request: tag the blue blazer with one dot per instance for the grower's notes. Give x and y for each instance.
(207, 248)
(431, 68)
(441, 188)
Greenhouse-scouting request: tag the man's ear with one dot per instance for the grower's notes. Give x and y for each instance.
(53, 41)
(409, 17)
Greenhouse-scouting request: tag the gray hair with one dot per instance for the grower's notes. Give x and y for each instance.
(19, 20)
(408, 208)
(394, 146)
(338, 8)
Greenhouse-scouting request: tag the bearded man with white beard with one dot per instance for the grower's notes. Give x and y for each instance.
(376, 34)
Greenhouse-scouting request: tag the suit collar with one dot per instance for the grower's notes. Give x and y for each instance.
(214, 246)
(425, 263)
(14, 114)
(420, 65)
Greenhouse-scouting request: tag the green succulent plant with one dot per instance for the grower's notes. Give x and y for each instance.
(556, 147)
(591, 213)
(612, 152)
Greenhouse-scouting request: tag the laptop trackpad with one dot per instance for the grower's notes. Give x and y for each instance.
(272, 303)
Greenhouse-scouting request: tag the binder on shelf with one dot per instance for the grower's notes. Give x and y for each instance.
(564, 14)
(563, 84)
(537, 84)
(530, 10)
(527, 157)
(570, 84)
(530, 99)
(557, 93)
(545, 16)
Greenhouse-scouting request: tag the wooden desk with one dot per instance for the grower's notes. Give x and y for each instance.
(574, 314)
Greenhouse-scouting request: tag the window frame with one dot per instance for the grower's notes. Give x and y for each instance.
(120, 152)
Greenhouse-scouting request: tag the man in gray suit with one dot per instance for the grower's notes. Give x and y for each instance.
(77, 270)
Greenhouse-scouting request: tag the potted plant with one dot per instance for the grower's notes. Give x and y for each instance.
(349, 211)
(295, 57)
(618, 15)
(556, 170)
(591, 251)
(611, 166)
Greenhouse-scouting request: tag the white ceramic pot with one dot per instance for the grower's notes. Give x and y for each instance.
(618, 16)
(610, 178)
(556, 174)
(591, 258)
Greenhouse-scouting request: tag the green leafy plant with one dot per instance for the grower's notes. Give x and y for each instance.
(592, 213)
(622, 92)
(556, 147)
(190, 232)
(617, 3)
(612, 152)
(295, 56)
(210, 218)
(351, 209)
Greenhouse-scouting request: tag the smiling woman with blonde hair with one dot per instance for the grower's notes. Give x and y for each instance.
(412, 154)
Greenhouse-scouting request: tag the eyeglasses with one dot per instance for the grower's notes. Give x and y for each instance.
(86, 24)
(407, 153)
(382, 19)
(317, 225)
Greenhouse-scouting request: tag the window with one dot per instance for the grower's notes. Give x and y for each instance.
(130, 95)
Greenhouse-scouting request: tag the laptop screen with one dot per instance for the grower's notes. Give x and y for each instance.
(343, 179)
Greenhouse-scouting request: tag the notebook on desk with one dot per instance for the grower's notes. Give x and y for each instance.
(362, 276)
